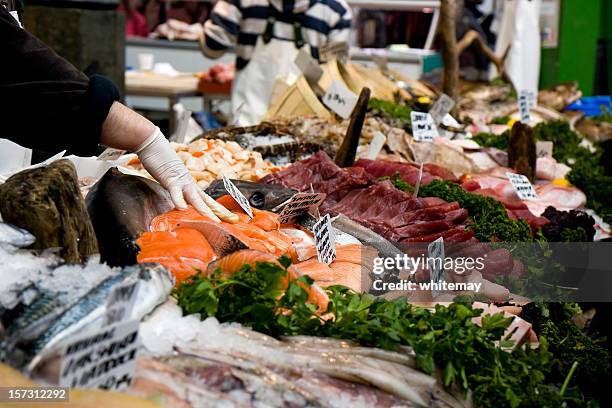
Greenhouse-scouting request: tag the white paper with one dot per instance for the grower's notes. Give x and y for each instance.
(526, 101)
(300, 204)
(423, 127)
(16, 17)
(544, 149)
(182, 126)
(13, 157)
(435, 252)
(375, 146)
(238, 196)
(340, 99)
(522, 186)
(111, 155)
(443, 106)
(325, 240)
(103, 359)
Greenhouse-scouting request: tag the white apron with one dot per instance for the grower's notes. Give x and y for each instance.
(253, 84)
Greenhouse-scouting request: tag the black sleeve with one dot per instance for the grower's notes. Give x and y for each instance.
(46, 103)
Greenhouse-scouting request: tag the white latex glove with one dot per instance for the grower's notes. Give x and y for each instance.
(161, 161)
(176, 29)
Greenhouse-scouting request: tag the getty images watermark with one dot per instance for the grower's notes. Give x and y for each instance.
(430, 268)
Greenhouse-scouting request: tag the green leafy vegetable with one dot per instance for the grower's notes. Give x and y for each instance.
(491, 140)
(569, 344)
(445, 339)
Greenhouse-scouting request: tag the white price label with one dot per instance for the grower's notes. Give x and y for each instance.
(441, 108)
(340, 99)
(309, 67)
(238, 196)
(544, 149)
(375, 146)
(522, 186)
(299, 204)
(334, 50)
(120, 303)
(325, 240)
(104, 359)
(110, 154)
(435, 262)
(423, 127)
(526, 101)
(417, 186)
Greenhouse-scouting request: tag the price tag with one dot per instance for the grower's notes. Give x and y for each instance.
(111, 155)
(104, 359)
(238, 196)
(324, 240)
(340, 99)
(375, 146)
(526, 101)
(299, 204)
(544, 149)
(435, 264)
(522, 186)
(309, 67)
(417, 186)
(334, 50)
(441, 108)
(423, 127)
(120, 303)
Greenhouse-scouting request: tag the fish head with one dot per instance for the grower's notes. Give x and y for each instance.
(260, 196)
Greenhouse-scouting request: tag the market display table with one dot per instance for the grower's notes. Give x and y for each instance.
(171, 88)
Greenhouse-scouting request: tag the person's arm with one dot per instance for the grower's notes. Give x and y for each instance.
(221, 29)
(125, 129)
(48, 104)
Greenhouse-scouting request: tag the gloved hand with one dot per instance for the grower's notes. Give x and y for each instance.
(176, 29)
(161, 161)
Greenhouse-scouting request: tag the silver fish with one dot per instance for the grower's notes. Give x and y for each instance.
(39, 330)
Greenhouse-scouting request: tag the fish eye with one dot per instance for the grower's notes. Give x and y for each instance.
(257, 199)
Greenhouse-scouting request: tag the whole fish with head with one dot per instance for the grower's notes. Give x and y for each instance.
(121, 208)
(72, 299)
(260, 196)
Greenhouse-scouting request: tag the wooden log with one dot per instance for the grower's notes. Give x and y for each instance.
(450, 52)
(47, 202)
(522, 151)
(347, 152)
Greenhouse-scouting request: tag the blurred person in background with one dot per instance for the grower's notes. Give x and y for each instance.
(266, 36)
(48, 105)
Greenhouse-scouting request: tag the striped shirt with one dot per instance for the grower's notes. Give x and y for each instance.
(238, 23)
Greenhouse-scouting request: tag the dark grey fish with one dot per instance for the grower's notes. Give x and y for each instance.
(121, 208)
(261, 196)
